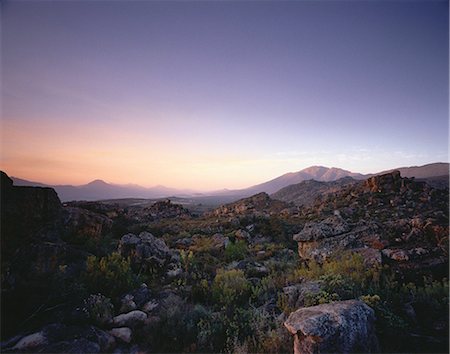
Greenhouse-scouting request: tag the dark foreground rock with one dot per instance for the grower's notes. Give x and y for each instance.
(339, 327)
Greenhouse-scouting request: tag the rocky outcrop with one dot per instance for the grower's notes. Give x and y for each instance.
(339, 327)
(26, 211)
(82, 223)
(167, 209)
(330, 227)
(259, 205)
(145, 250)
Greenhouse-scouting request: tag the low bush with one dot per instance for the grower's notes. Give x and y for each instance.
(110, 275)
(230, 287)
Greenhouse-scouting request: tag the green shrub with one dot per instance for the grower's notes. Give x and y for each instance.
(230, 287)
(110, 275)
(236, 251)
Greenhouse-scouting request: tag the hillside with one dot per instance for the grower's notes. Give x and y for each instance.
(369, 260)
(306, 192)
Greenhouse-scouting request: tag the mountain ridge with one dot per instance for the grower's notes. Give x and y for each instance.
(99, 189)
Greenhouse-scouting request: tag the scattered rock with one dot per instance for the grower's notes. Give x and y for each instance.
(147, 250)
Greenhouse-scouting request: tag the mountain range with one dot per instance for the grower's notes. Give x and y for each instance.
(99, 189)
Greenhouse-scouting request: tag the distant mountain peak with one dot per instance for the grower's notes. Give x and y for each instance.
(97, 182)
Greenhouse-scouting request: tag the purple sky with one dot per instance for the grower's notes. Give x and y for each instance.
(220, 94)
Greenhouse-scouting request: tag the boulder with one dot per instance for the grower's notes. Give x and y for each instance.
(122, 333)
(220, 242)
(330, 227)
(82, 223)
(31, 341)
(147, 250)
(130, 319)
(128, 304)
(339, 327)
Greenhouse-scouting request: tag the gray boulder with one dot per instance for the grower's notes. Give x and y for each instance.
(339, 327)
(130, 319)
(330, 227)
(147, 250)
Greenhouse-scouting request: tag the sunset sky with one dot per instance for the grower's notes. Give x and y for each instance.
(209, 95)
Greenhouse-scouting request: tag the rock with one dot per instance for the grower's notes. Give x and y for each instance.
(259, 205)
(164, 209)
(128, 304)
(82, 223)
(389, 182)
(147, 250)
(26, 211)
(122, 333)
(173, 273)
(141, 295)
(297, 294)
(31, 341)
(149, 306)
(314, 231)
(242, 235)
(219, 241)
(250, 268)
(339, 327)
(130, 319)
(371, 257)
(398, 255)
(76, 346)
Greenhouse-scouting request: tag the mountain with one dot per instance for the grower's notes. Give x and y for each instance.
(436, 174)
(431, 170)
(99, 189)
(318, 173)
(306, 192)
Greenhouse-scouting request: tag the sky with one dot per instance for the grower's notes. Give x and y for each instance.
(206, 95)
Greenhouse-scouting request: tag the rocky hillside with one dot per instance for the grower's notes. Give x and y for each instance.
(259, 204)
(305, 193)
(361, 267)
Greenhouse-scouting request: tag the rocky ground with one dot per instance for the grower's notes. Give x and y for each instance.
(361, 267)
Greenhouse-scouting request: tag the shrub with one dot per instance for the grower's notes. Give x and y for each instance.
(230, 287)
(236, 251)
(110, 275)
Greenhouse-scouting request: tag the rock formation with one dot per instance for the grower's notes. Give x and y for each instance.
(339, 327)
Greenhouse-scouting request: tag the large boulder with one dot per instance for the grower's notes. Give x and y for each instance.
(24, 212)
(330, 227)
(339, 327)
(85, 224)
(148, 251)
